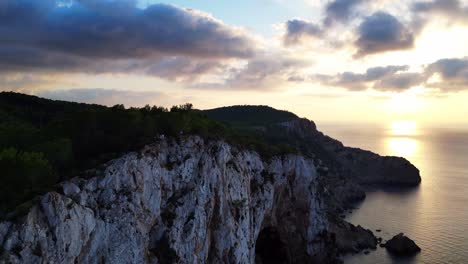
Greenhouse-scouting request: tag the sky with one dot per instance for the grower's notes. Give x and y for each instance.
(327, 60)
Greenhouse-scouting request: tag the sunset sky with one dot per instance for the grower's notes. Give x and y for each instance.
(339, 60)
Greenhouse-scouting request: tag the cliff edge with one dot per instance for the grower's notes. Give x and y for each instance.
(179, 201)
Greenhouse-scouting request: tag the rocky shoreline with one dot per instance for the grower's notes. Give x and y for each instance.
(188, 200)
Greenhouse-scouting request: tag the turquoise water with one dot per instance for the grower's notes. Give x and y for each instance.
(435, 214)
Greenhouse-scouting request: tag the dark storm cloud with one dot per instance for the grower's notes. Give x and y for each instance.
(296, 29)
(56, 35)
(20, 58)
(340, 10)
(382, 32)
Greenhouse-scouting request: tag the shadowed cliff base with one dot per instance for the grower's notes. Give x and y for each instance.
(269, 248)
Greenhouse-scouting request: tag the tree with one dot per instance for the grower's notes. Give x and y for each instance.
(24, 175)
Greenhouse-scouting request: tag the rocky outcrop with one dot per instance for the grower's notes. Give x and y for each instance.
(301, 127)
(371, 169)
(362, 166)
(352, 239)
(186, 200)
(179, 201)
(401, 245)
(4, 227)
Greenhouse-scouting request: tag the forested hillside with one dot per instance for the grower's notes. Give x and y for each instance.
(248, 115)
(44, 141)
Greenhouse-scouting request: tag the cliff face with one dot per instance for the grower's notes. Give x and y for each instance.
(364, 167)
(187, 202)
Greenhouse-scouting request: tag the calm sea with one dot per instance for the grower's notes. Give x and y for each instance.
(435, 214)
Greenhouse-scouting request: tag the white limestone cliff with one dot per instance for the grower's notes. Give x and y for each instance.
(176, 201)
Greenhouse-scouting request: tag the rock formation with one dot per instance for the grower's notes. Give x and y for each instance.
(402, 245)
(352, 239)
(362, 166)
(187, 200)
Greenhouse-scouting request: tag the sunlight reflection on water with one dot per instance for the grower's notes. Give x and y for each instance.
(401, 146)
(400, 140)
(403, 128)
(432, 214)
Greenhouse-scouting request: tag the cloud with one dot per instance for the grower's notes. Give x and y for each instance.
(376, 73)
(263, 72)
(376, 33)
(184, 69)
(335, 11)
(105, 36)
(296, 78)
(25, 82)
(382, 32)
(297, 29)
(450, 8)
(445, 75)
(340, 10)
(399, 82)
(106, 29)
(452, 74)
(359, 81)
(107, 97)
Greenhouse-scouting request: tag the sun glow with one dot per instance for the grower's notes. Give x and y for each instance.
(403, 128)
(402, 147)
(401, 142)
(405, 103)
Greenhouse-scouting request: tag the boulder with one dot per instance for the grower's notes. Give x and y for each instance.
(352, 239)
(402, 245)
(70, 189)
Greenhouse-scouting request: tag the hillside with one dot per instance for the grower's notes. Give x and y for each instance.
(249, 116)
(88, 183)
(43, 142)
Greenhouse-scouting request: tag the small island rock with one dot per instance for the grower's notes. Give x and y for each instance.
(402, 245)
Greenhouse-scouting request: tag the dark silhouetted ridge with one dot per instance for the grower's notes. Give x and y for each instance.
(249, 115)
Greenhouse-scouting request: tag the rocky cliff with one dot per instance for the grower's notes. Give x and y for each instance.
(182, 199)
(178, 201)
(187, 200)
(364, 167)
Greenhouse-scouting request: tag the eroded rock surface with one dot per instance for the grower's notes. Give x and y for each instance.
(184, 201)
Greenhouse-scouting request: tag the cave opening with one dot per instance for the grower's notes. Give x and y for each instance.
(269, 249)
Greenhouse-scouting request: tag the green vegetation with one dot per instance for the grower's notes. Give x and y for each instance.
(29, 170)
(249, 116)
(262, 123)
(43, 141)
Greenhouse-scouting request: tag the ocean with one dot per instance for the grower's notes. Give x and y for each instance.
(435, 214)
